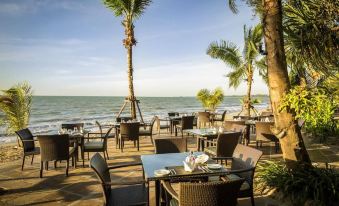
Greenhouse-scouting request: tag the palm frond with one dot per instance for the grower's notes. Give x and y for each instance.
(233, 6)
(129, 9)
(211, 99)
(261, 65)
(225, 51)
(236, 76)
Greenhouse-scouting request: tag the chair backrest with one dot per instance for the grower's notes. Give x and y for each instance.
(71, 126)
(187, 122)
(99, 165)
(266, 113)
(210, 193)
(154, 119)
(263, 131)
(223, 115)
(173, 114)
(100, 128)
(233, 125)
(245, 157)
(226, 143)
(203, 118)
(54, 147)
(170, 145)
(130, 130)
(26, 138)
(243, 118)
(105, 137)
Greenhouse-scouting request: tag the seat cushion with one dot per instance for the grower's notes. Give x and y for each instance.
(93, 145)
(211, 150)
(128, 195)
(244, 186)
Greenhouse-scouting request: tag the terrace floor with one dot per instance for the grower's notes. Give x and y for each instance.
(81, 187)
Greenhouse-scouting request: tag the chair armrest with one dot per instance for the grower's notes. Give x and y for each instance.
(125, 165)
(124, 183)
(242, 170)
(167, 186)
(29, 140)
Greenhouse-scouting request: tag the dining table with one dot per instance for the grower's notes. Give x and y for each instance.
(174, 163)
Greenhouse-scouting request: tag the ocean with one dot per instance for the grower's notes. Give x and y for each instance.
(49, 112)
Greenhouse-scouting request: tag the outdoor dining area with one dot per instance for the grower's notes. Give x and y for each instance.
(177, 159)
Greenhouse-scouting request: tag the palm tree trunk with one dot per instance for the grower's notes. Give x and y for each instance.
(286, 128)
(249, 90)
(131, 96)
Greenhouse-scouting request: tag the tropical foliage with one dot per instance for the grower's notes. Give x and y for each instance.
(315, 106)
(242, 65)
(15, 104)
(318, 185)
(211, 99)
(130, 10)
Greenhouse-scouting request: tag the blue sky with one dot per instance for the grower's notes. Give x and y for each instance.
(74, 47)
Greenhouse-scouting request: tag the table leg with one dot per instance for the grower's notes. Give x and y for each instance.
(157, 193)
(247, 134)
(198, 143)
(202, 144)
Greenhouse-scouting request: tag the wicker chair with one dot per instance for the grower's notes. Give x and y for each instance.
(237, 126)
(224, 145)
(148, 132)
(162, 126)
(220, 119)
(186, 123)
(170, 145)
(204, 119)
(28, 144)
(129, 132)
(56, 148)
(72, 126)
(130, 193)
(95, 146)
(264, 134)
(244, 161)
(219, 193)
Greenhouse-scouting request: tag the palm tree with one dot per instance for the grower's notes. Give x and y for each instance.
(130, 10)
(243, 66)
(286, 128)
(15, 103)
(211, 99)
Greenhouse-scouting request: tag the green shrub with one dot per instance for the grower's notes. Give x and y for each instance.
(315, 106)
(309, 183)
(211, 99)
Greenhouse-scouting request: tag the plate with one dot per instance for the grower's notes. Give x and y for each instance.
(161, 172)
(214, 166)
(202, 158)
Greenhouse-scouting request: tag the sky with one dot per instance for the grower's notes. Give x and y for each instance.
(74, 47)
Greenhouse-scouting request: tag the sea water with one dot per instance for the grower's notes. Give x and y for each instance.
(49, 112)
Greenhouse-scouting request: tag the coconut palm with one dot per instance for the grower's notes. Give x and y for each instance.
(286, 129)
(15, 103)
(130, 10)
(242, 66)
(211, 99)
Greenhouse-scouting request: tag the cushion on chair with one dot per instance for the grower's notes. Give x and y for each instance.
(244, 186)
(93, 145)
(211, 150)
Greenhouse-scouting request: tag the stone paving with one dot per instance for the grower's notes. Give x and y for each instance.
(81, 187)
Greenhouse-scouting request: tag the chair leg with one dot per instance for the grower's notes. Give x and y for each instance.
(107, 154)
(46, 165)
(121, 145)
(41, 168)
(176, 131)
(32, 159)
(152, 140)
(55, 164)
(83, 158)
(23, 162)
(138, 144)
(67, 166)
(252, 200)
(87, 155)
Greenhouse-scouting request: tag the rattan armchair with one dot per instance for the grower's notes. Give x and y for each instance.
(244, 162)
(219, 193)
(147, 130)
(204, 119)
(129, 193)
(56, 148)
(186, 123)
(264, 134)
(95, 146)
(162, 126)
(170, 145)
(237, 126)
(224, 145)
(129, 132)
(220, 119)
(28, 144)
